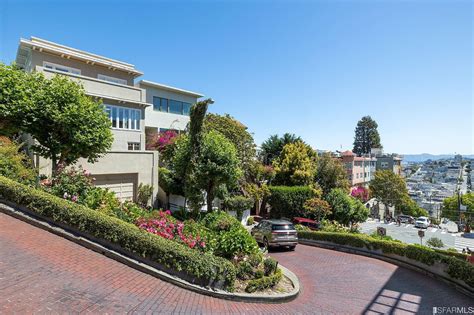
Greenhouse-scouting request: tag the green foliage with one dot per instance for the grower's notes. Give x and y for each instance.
(236, 133)
(288, 201)
(435, 242)
(451, 206)
(389, 188)
(131, 212)
(302, 228)
(409, 207)
(144, 194)
(346, 209)
(331, 174)
(270, 266)
(102, 200)
(238, 204)
(334, 226)
(383, 237)
(317, 209)
(216, 165)
(272, 147)
(77, 126)
(71, 183)
(16, 98)
(250, 221)
(295, 166)
(264, 282)
(14, 165)
(366, 136)
(207, 269)
(232, 239)
(455, 264)
(244, 270)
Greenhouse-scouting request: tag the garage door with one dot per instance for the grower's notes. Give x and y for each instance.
(123, 185)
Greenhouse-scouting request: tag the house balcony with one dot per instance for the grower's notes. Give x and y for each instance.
(102, 89)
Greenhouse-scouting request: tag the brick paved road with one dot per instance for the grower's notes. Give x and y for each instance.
(43, 273)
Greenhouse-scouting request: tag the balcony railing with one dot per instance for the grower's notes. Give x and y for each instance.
(100, 88)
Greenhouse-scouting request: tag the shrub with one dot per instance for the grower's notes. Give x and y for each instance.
(71, 183)
(232, 239)
(13, 163)
(205, 268)
(302, 228)
(131, 212)
(238, 204)
(435, 242)
(144, 194)
(250, 221)
(288, 201)
(244, 270)
(270, 265)
(334, 226)
(102, 200)
(264, 282)
(456, 264)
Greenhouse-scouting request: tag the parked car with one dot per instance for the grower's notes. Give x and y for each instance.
(406, 219)
(275, 233)
(422, 222)
(313, 225)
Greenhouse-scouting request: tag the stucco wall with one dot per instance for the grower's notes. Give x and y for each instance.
(37, 59)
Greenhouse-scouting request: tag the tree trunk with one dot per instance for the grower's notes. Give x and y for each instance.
(257, 207)
(209, 199)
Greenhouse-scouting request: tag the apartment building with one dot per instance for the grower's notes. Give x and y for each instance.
(360, 169)
(391, 162)
(130, 110)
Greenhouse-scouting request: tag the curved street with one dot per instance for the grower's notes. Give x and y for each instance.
(43, 273)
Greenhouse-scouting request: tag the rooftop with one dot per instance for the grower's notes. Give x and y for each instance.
(169, 88)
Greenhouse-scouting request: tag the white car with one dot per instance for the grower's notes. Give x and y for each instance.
(422, 222)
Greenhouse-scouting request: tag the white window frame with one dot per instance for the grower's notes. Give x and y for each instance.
(108, 78)
(55, 67)
(135, 146)
(131, 122)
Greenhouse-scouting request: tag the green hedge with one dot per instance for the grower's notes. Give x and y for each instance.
(207, 269)
(457, 266)
(288, 201)
(264, 282)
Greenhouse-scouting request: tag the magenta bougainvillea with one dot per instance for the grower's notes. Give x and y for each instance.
(360, 193)
(166, 226)
(160, 141)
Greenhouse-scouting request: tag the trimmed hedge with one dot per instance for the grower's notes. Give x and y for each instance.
(264, 282)
(456, 265)
(207, 269)
(288, 201)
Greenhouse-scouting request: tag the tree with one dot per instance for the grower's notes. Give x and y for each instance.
(295, 166)
(331, 174)
(346, 209)
(409, 207)
(216, 165)
(451, 206)
(366, 136)
(389, 188)
(272, 147)
(317, 208)
(256, 185)
(235, 132)
(16, 98)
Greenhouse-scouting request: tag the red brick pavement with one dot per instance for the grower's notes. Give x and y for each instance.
(44, 273)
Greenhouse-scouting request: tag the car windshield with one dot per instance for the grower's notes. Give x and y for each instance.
(282, 227)
(421, 219)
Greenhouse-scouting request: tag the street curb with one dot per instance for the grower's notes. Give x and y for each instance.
(83, 240)
(393, 260)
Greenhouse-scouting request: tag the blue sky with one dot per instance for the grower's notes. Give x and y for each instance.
(312, 68)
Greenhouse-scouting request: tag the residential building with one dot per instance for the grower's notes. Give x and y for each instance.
(130, 110)
(391, 162)
(360, 169)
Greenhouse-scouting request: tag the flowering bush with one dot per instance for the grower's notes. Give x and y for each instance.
(71, 184)
(360, 193)
(160, 141)
(167, 227)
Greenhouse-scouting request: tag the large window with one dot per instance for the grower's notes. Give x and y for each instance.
(171, 106)
(123, 118)
(53, 66)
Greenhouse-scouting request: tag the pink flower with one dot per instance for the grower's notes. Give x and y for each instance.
(74, 198)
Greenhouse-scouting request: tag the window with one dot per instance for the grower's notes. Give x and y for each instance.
(123, 118)
(134, 146)
(171, 106)
(111, 79)
(61, 68)
(175, 107)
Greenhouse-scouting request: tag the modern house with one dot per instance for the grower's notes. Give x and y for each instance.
(360, 169)
(131, 111)
(391, 162)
